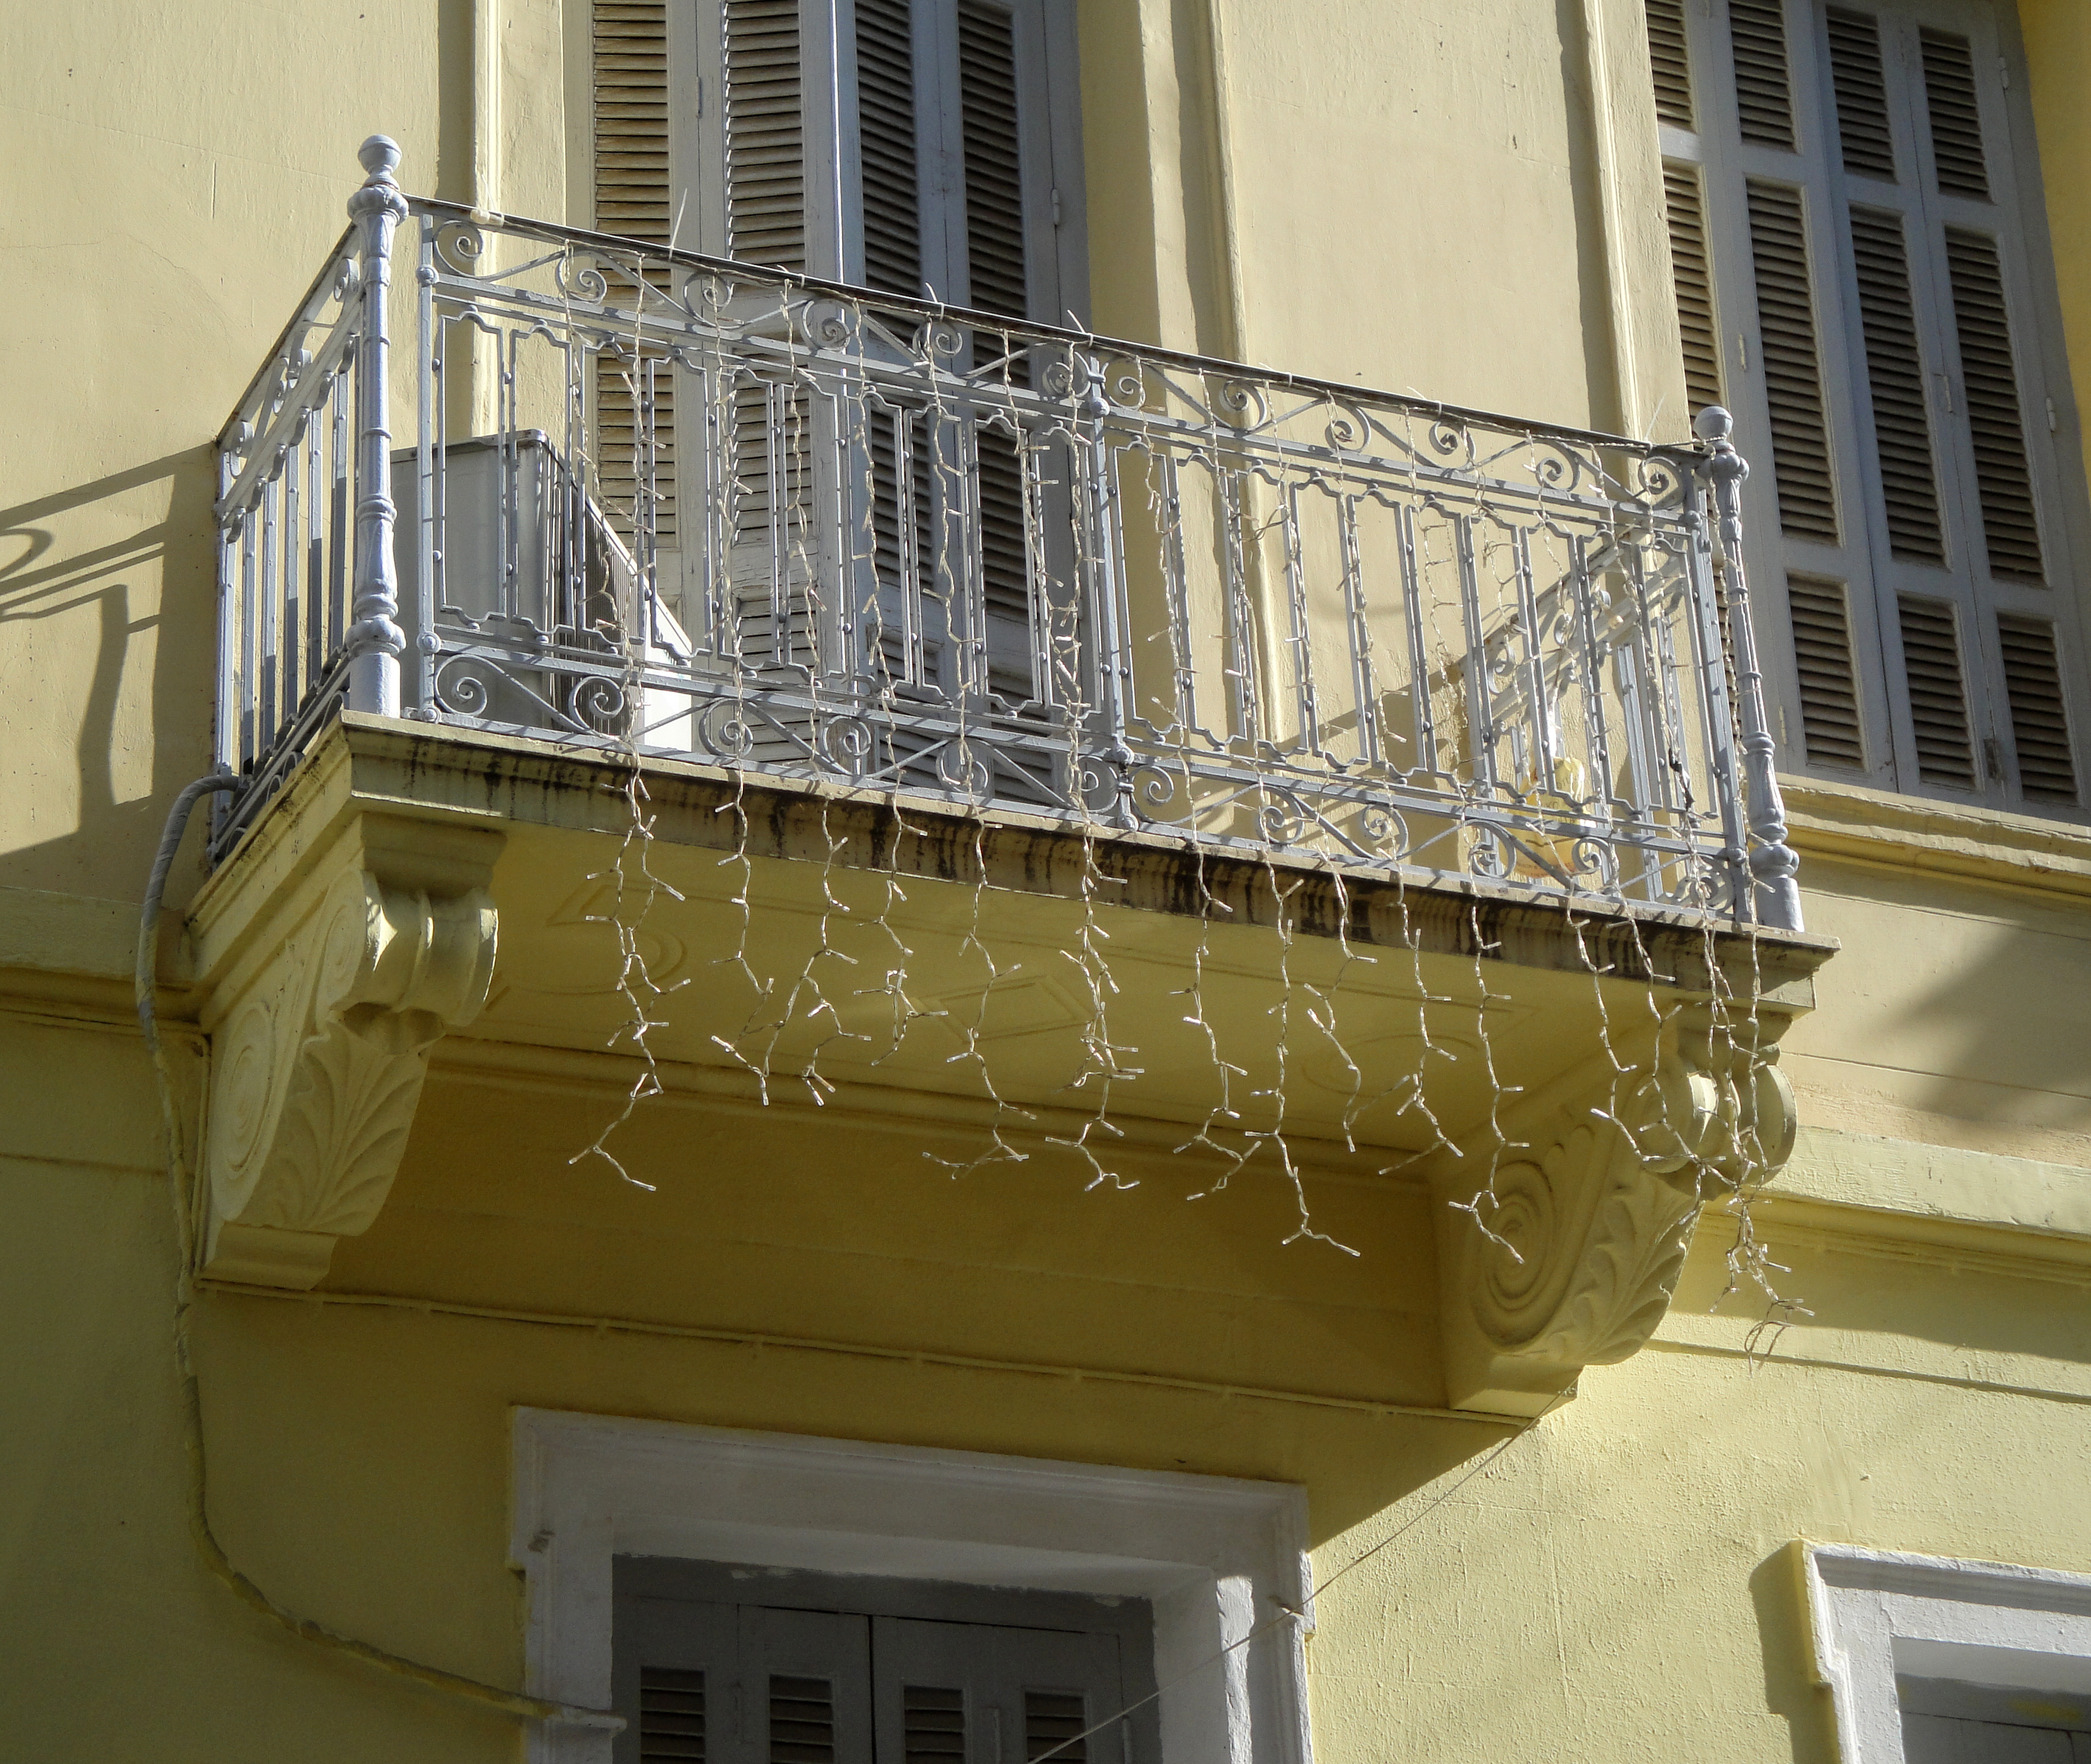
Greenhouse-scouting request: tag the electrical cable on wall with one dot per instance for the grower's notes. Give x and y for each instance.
(184, 1198)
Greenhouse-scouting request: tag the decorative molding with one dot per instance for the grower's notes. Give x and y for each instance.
(1966, 842)
(1873, 1614)
(1219, 1557)
(1566, 1256)
(331, 987)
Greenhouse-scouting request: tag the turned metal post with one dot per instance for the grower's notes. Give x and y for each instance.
(1772, 862)
(1113, 662)
(374, 642)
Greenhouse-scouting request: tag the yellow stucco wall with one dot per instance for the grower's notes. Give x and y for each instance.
(2057, 46)
(1420, 199)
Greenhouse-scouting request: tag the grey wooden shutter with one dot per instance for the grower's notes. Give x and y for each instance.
(1895, 378)
(2010, 526)
(944, 1690)
(1056, 1725)
(671, 1715)
(992, 135)
(2040, 720)
(1792, 363)
(1829, 681)
(1860, 83)
(1669, 57)
(634, 197)
(1954, 114)
(886, 99)
(739, 1665)
(996, 279)
(766, 133)
(1692, 276)
(1889, 338)
(1764, 96)
(1936, 682)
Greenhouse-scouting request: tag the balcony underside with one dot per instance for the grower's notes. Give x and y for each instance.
(796, 941)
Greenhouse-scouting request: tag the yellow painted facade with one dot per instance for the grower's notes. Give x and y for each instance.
(1460, 198)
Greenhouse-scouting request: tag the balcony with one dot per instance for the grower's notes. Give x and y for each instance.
(705, 596)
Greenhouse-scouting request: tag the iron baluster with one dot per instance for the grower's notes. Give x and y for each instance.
(374, 640)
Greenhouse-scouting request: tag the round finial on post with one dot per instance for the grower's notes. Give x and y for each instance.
(379, 155)
(1713, 423)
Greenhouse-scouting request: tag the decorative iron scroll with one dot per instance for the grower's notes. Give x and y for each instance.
(717, 512)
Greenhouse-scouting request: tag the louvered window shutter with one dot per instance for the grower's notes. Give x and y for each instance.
(671, 1715)
(848, 1669)
(766, 134)
(1860, 83)
(1764, 99)
(635, 198)
(1828, 689)
(1792, 363)
(889, 147)
(1691, 275)
(1668, 57)
(2040, 719)
(1895, 377)
(1936, 682)
(997, 281)
(2010, 527)
(1879, 329)
(1955, 116)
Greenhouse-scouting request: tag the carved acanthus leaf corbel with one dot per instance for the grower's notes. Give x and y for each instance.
(320, 1051)
(1568, 1254)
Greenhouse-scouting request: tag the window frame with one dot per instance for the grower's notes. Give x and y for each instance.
(1218, 1558)
(1862, 562)
(1874, 1613)
(1056, 247)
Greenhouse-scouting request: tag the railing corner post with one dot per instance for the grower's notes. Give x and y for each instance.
(374, 642)
(1773, 863)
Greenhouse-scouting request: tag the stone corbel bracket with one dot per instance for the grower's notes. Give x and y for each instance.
(1568, 1256)
(329, 974)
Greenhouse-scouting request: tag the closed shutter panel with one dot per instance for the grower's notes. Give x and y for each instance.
(671, 1715)
(932, 1727)
(2040, 724)
(766, 223)
(885, 122)
(1055, 1722)
(993, 173)
(997, 282)
(628, 44)
(1693, 278)
(1828, 689)
(1860, 85)
(893, 263)
(1956, 118)
(1667, 55)
(1792, 365)
(2010, 529)
(1917, 528)
(1764, 102)
(1938, 693)
(766, 135)
(801, 1713)
(1894, 376)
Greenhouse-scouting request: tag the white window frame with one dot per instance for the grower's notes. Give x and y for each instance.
(1875, 1613)
(1862, 561)
(1219, 1559)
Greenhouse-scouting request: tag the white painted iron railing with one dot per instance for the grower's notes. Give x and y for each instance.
(707, 510)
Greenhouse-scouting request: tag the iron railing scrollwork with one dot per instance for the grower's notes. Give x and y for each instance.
(717, 511)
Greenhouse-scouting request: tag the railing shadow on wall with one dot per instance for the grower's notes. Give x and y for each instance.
(802, 530)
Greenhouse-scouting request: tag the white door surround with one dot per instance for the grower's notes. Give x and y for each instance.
(1220, 1559)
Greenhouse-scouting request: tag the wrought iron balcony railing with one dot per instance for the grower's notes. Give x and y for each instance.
(665, 502)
